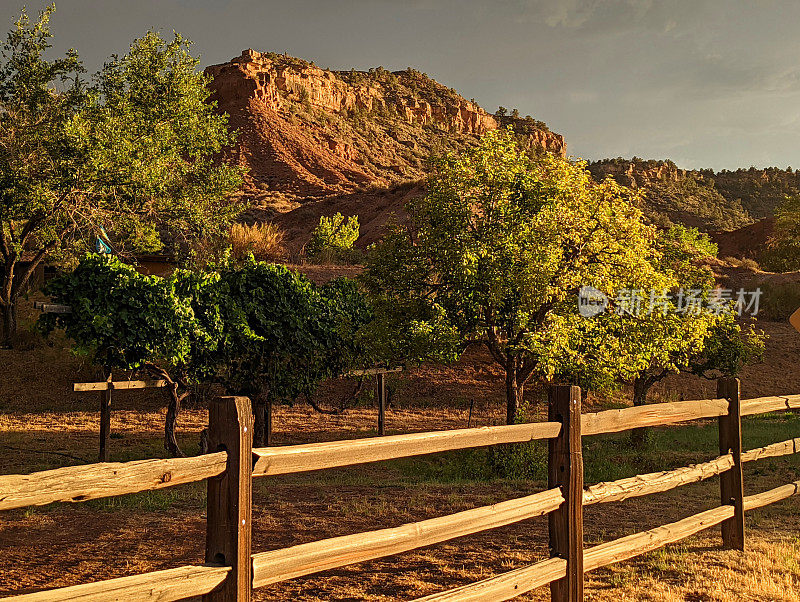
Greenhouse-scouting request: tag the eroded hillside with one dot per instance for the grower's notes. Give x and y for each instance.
(311, 132)
(709, 200)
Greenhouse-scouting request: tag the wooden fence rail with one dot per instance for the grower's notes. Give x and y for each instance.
(92, 481)
(232, 571)
(161, 586)
(287, 563)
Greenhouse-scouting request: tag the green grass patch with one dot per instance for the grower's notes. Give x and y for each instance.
(191, 495)
(606, 457)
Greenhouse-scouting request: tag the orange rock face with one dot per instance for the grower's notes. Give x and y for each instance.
(306, 131)
(254, 74)
(636, 175)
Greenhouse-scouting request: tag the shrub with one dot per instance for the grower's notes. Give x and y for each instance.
(512, 462)
(264, 241)
(333, 238)
(750, 264)
(519, 461)
(781, 256)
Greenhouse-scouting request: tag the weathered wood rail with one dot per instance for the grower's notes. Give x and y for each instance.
(232, 571)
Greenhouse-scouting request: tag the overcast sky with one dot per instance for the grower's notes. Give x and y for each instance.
(706, 83)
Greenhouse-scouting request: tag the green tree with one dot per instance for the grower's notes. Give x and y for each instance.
(130, 156)
(496, 253)
(674, 333)
(123, 320)
(256, 329)
(333, 237)
(679, 338)
(783, 248)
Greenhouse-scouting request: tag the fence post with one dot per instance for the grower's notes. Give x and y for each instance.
(381, 391)
(228, 527)
(565, 470)
(731, 484)
(105, 419)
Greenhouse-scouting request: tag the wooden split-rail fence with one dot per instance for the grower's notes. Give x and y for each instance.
(107, 386)
(232, 571)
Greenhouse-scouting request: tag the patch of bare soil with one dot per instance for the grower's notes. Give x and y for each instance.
(744, 242)
(44, 425)
(375, 208)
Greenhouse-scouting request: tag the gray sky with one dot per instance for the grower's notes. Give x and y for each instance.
(706, 83)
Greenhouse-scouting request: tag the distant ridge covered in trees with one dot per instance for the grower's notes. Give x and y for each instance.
(705, 199)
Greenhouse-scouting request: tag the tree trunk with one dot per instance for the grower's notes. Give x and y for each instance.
(514, 390)
(641, 386)
(9, 330)
(14, 282)
(174, 407)
(262, 429)
(260, 415)
(268, 424)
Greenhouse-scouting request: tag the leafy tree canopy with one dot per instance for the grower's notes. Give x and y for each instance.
(497, 251)
(674, 336)
(128, 156)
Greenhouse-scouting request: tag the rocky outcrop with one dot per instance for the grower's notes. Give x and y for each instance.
(636, 173)
(310, 132)
(274, 79)
(547, 140)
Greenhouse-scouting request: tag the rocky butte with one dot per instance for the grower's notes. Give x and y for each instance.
(307, 132)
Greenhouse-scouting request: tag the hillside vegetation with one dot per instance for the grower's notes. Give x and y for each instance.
(673, 195)
(760, 191)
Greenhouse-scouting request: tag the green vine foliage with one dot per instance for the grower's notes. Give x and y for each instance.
(257, 329)
(122, 319)
(285, 334)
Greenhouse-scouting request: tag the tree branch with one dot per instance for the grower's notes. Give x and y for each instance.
(4, 249)
(20, 283)
(493, 344)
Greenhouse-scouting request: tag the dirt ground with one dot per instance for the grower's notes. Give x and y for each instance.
(43, 424)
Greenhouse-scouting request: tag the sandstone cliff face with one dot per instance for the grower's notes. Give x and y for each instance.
(637, 174)
(310, 132)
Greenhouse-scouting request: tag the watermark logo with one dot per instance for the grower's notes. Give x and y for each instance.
(639, 302)
(591, 301)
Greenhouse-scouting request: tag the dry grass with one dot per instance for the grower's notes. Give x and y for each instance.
(264, 241)
(43, 424)
(698, 570)
(68, 544)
